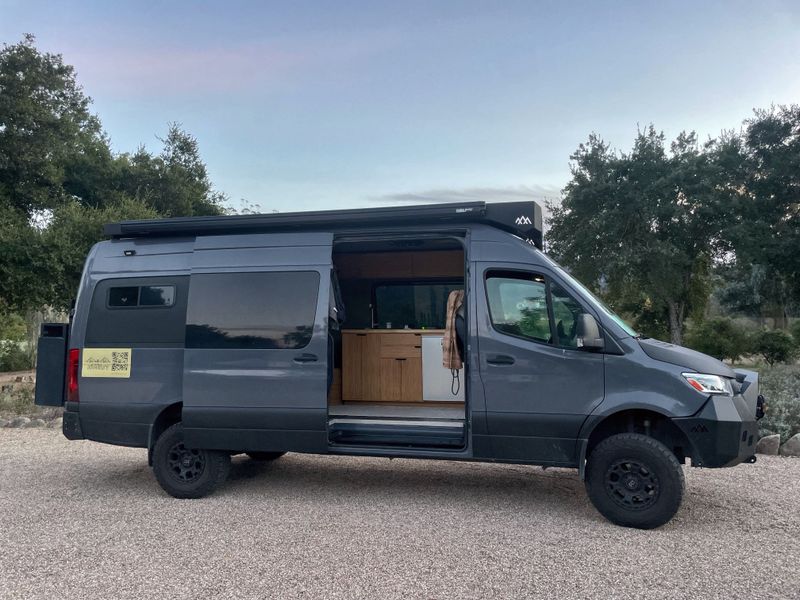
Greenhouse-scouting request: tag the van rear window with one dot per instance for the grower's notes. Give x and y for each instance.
(252, 310)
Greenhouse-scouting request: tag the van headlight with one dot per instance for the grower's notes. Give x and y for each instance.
(709, 384)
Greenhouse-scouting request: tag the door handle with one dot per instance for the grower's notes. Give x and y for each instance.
(305, 358)
(500, 359)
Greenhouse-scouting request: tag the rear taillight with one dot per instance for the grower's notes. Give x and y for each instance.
(73, 364)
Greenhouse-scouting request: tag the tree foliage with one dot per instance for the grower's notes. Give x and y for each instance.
(775, 346)
(765, 228)
(719, 337)
(640, 226)
(60, 181)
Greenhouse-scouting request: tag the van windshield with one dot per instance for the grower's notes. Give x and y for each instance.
(596, 302)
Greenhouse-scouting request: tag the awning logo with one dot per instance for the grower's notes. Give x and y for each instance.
(523, 220)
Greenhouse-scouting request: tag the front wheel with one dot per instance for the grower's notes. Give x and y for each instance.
(634, 481)
(186, 472)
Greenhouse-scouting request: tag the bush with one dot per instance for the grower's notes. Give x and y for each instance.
(719, 337)
(794, 328)
(781, 388)
(775, 346)
(17, 400)
(13, 357)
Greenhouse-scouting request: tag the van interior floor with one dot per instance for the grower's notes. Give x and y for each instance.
(402, 411)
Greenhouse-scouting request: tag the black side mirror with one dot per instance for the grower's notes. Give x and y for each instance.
(588, 334)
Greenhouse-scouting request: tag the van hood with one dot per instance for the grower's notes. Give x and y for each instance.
(684, 357)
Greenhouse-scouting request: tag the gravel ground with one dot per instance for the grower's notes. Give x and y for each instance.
(84, 520)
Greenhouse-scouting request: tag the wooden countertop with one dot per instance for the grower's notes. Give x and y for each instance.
(388, 331)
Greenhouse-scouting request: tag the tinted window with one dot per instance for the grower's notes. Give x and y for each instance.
(252, 310)
(157, 295)
(414, 304)
(518, 305)
(122, 313)
(123, 296)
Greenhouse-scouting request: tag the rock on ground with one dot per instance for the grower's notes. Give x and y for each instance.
(792, 446)
(56, 423)
(19, 422)
(769, 444)
(35, 423)
(3, 423)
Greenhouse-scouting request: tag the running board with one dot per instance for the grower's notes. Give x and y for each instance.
(405, 434)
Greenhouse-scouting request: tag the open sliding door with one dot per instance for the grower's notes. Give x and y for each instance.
(256, 359)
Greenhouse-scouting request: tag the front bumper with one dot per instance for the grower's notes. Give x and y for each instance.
(723, 433)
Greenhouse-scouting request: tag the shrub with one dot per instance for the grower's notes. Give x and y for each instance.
(794, 328)
(17, 399)
(781, 388)
(775, 346)
(13, 357)
(719, 337)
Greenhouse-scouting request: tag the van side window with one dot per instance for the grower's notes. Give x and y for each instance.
(565, 314)
(157, 295)
(518, 304)
(252, 310)
(119, 297)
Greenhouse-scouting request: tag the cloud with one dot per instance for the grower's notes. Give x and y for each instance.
(134, 69)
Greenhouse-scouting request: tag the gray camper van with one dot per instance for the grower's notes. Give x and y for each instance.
(323, 332)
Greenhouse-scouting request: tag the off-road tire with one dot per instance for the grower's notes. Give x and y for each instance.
(634, 481)
(264, 456)
(187, 473)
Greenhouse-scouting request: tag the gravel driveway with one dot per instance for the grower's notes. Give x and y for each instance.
(85, 520)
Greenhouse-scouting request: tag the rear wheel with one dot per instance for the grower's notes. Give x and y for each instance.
(265, 456)
(634, 481)
(187, 472)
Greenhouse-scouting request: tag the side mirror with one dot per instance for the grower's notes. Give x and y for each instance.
(588, 334)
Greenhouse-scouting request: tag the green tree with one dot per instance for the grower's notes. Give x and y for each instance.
(775, 346)
(642, 227)
(44, 124)
(719, 337)
(175, 182)
(60, 181)
(765, 230)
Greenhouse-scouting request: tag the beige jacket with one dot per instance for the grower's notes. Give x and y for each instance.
(451, 359)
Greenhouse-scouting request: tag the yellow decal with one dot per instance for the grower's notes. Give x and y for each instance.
(106, 362)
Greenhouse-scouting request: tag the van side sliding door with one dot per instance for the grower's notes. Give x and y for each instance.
(256, 358)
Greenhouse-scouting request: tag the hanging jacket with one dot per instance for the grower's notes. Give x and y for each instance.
(451, 357)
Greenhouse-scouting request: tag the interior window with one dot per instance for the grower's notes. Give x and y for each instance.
(417, 305)
(565, 314)
(518, 305)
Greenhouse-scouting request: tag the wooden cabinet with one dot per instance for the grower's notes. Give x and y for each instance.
(382, 365)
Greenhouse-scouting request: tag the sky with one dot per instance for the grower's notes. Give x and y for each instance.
(324, 105)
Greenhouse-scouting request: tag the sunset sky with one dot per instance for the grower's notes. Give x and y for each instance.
(304, 105)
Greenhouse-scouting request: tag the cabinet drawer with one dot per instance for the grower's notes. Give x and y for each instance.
(401, 352)
(401, 339)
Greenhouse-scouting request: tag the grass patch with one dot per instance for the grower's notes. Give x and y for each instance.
(16, 399)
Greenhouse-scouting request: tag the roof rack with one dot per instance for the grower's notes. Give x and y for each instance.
(523, 219)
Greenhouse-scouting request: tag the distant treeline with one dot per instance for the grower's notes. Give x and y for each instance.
(666, 232)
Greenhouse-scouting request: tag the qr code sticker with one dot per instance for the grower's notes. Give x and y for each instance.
(119, 361)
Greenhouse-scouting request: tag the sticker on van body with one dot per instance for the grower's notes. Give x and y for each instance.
(106, 362)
